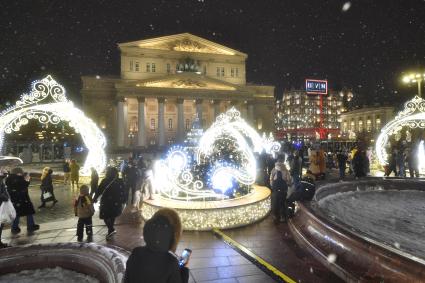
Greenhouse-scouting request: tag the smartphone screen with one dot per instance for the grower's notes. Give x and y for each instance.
(185, 257)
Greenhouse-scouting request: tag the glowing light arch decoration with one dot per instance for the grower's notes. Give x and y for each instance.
(35, 105)
(173, 174)
(413, 116)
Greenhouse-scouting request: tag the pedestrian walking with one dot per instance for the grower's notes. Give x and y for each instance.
(94, 181)
(17, 186)
(131, 180)
(75, 172)
(66, 172)
(304, 191)
(392, 164)
(4, 197)
(342, 158)
(296, 167)
(360, 163)
(46, 187)
(112, 193)
(84, 209)
(280, 181)
(412, 163)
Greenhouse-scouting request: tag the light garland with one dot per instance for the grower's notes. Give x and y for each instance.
(34, 106)
(413, 116)
(174, 175)
(209, 215)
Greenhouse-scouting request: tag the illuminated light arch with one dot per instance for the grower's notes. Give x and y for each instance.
(35, 106)
(413, 116)
(173, 174)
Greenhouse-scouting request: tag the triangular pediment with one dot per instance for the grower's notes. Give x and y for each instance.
(183, 42)
(187, 81)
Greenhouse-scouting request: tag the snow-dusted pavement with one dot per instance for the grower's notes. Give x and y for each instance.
(396, 218)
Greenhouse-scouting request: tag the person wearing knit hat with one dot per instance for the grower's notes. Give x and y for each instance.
(157, 261)
(84, 209)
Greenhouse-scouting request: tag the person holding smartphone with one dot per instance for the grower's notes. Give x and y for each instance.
(157, 262)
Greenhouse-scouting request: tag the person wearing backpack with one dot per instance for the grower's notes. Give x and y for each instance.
(84, 209)
(279, 180)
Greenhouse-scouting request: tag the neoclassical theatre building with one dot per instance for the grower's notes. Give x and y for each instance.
(165, 83)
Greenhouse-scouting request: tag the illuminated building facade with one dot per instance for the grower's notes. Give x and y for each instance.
(165, 83)
(367, 121)
(298, 114)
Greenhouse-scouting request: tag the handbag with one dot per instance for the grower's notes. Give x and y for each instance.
(47, 195)
(7, 212)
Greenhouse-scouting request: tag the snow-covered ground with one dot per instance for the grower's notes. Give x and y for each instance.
(396, 218)
(48, 275)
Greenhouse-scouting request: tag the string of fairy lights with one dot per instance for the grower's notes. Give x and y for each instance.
(35, 105)
(221, 166)
(412, 116)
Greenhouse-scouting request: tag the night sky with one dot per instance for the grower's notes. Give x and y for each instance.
(364, 45)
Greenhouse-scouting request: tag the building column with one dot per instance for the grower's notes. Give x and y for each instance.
(141, 128)
(216, 108)
(251, 117)
(180, 120)
(161, 126)
(199, 111)
(121, 123)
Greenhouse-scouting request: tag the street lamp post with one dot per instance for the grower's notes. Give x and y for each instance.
(415, 78)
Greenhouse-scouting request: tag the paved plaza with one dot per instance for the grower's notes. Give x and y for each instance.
(213, 260)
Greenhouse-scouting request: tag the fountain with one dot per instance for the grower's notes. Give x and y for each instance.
(369, 230)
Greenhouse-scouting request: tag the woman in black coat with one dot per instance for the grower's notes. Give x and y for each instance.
(47, 187)
(112, 193)
(4, 196)
(17, 187)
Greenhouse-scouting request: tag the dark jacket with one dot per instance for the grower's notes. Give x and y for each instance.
(4, 195)
(47, 183)
(94, 182)
(17, 187)
(66, 168)
(147, 266)
(131, 175)
(113, 198)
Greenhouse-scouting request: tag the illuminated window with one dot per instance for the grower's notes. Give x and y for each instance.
(220, 71)
(136, 66)
(131, 65)
(368, 125)
(133, 124)
(378, 123)
(344, 127)
(168, 68)
(353, 126)
(360, 125)
(170, 124)
(148, 67)
(187, 124)
(232, 72)
(152, 124)
(153, 68)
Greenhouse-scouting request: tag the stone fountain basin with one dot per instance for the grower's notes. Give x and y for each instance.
(368, 230)
(103, 263)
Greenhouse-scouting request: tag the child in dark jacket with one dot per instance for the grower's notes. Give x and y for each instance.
(84, 209)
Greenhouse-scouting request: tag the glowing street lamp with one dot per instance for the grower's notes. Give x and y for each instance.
(415, 78)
